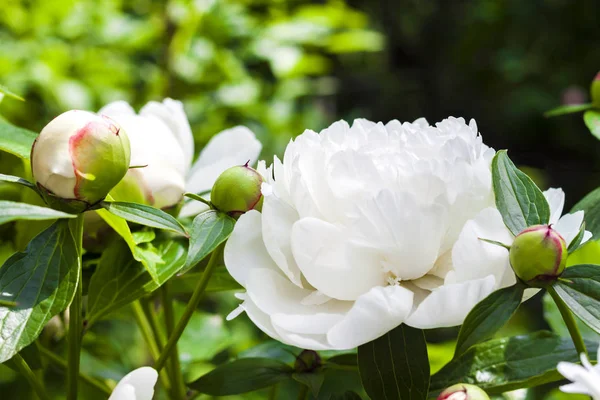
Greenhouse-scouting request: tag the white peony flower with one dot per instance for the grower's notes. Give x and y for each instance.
(136, 385)
(585, 377)
(162, 142)
(367, 227)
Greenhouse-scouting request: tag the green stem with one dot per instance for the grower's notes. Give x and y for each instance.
(75, 320)
(146, 330)
(273, 392)
(179, 389)
(153, 321)
(569, 321)
(6, 303)
(303, 393)
(58, 361)
(35, 383)
(189, 309)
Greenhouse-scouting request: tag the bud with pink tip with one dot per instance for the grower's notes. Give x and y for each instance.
(538, 255)
(463, 391)
(78, 158)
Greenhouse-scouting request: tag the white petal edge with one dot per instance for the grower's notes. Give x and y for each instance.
(142, 380)
(245, 249)
(449, 305)
(556, 201)
(373, 314)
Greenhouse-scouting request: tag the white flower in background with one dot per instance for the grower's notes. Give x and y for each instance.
(163, 146)
(367, 227)
(136, 385)
(585, 377)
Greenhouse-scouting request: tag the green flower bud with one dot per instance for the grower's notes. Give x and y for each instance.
(595, 91)
(463, 391)
(307, 361)
(78, 158)
(237, 190)
(538, 255)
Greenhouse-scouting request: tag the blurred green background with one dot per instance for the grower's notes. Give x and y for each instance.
(280, 67)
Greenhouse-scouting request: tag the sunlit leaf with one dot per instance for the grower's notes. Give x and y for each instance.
(12, 211)
(518, 199)
(41, 281)
(17, 141)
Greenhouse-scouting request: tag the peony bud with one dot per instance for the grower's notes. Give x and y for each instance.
(78, 158)
(463, 391)
(538, 254)
(237, 190)
(595, 91)
(307, 361)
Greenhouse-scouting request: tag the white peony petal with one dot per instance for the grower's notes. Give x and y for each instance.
(450, 304)
(473, 258)
(332, 264)
(229, 148)
(245, 249)
(568, 226)
(407, 235)
(117, 109)
(373, 314)
(172, 114)
(138, 383)
(274, 294)
(277, 221)
(164, 185)
(123, 392)
(556, 201)
(260, 319)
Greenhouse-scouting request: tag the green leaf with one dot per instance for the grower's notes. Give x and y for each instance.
(17, 141)
(592, 121)
(590, 205)
(31, 355)
(557, 323)
(509, 363)
(220, 281)
(16, 179)
(142, 251)
(395, 366)
(579, 288)
(349, 395)
(518, 199)
(241, 376)
(312, 380)
(208, 231)
(576, 242)
(119, 279)
(144, 215)
(41, 281)
(12, 211)
(488, 316)
(567, 109)
(5, 91)
(215, 334)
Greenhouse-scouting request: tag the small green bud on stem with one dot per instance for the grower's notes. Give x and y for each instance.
(307, 361)
(538, 255)
(237, 190)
